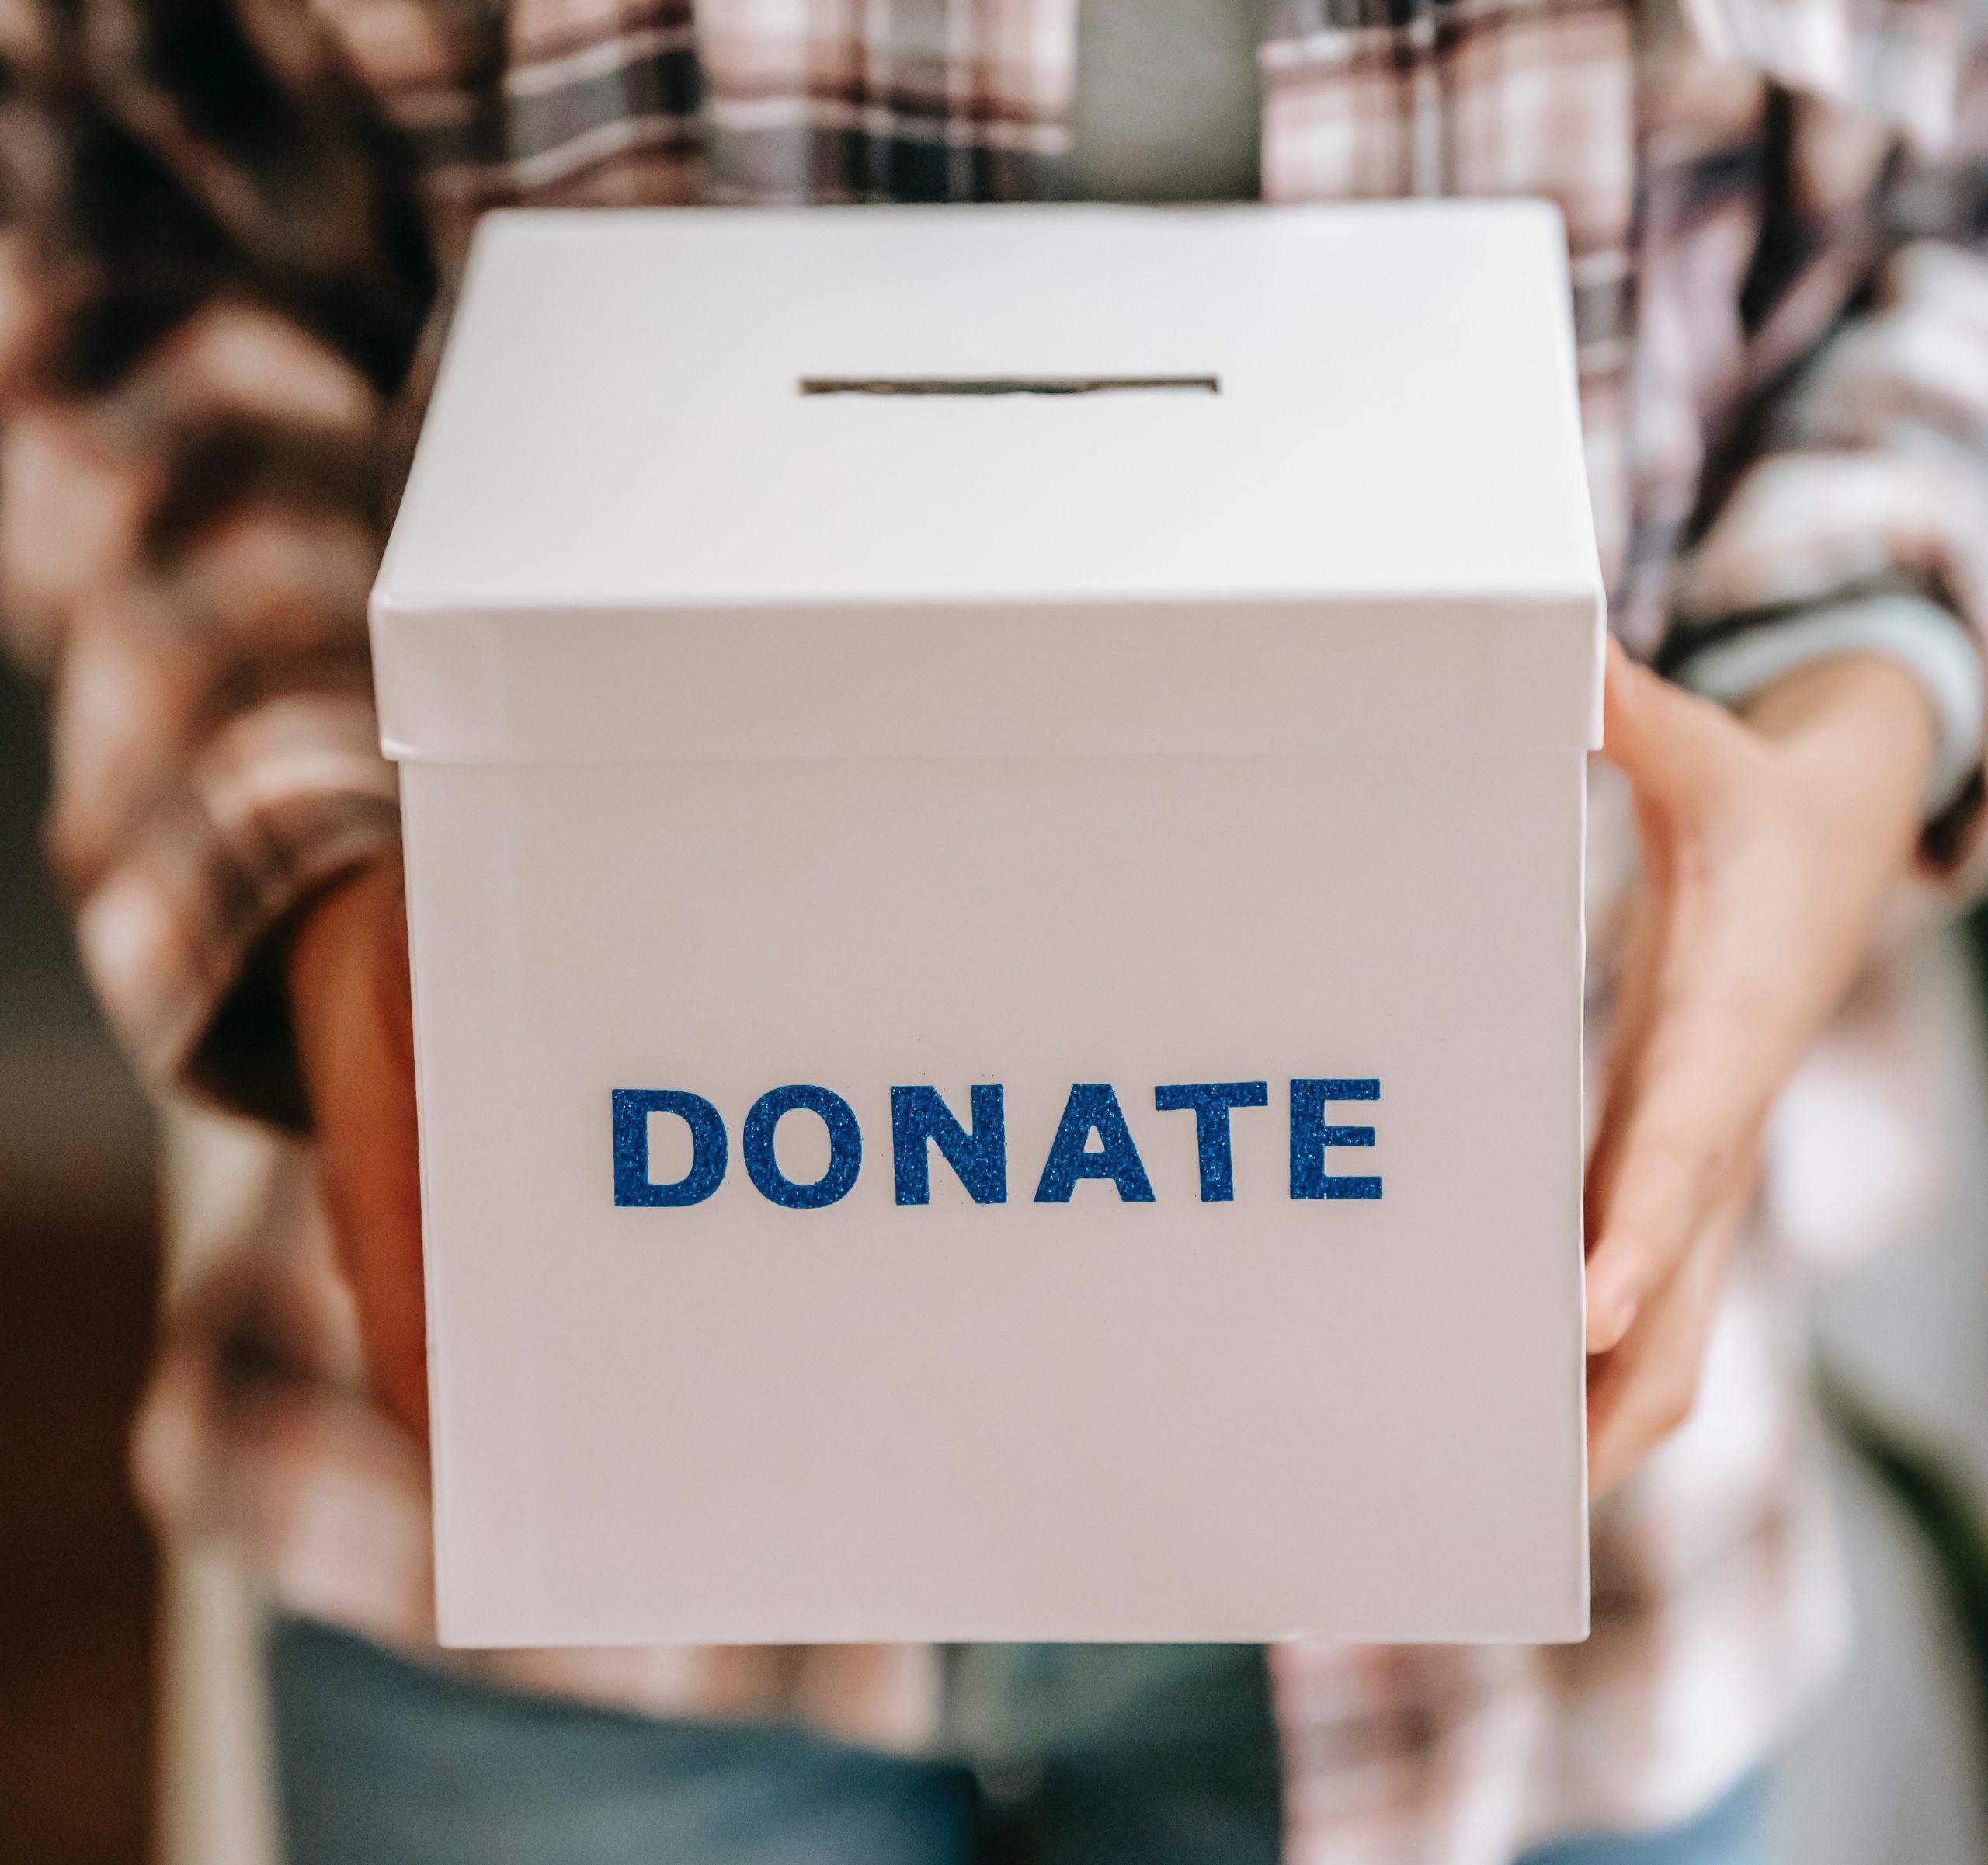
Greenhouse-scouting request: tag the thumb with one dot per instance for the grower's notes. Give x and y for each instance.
(1663, 738)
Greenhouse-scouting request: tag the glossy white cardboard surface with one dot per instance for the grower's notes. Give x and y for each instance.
(738, 753)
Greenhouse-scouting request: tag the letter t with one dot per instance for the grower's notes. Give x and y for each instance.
(1211, 1101)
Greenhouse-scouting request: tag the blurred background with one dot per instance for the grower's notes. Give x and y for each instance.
(127, 1713)
(79, 1279)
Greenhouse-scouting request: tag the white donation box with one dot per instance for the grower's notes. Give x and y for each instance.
(994, 816)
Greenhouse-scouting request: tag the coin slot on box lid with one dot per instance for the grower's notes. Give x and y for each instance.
(1003, 385)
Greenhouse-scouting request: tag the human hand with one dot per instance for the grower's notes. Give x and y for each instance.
(1767, 843)
(351, 1005)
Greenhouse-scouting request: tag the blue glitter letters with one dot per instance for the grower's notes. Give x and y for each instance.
(1093, 1107)
(632, 1183)
(979, 1155)
(1211, 1101)
(845, 1147)
(1310, 1136)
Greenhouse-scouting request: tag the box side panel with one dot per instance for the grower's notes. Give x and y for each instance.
(1359, 1417)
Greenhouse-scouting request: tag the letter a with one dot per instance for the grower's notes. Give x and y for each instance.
(1093, 1107)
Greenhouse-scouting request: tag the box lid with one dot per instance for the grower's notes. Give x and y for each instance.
(661, 508)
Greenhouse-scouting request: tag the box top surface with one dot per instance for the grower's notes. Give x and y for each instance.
(619, 420)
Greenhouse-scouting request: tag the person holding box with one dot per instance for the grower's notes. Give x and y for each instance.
(230, 229)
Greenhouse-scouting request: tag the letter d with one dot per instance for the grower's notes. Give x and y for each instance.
(709, 1149)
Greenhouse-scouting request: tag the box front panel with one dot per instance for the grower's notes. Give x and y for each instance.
(1076, 1393)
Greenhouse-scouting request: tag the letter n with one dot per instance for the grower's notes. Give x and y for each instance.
(978, 1154)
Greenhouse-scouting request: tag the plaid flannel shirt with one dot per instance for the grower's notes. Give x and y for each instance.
(229, 225)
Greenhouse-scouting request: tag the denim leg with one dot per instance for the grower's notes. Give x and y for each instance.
(1733, 1832)
(1120, 1754)
(382, 1762)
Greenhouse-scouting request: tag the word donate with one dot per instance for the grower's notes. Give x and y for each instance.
(1092, 1141)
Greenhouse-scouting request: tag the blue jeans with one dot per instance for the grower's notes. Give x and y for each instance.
(1733, 1832)
(1050, 1756)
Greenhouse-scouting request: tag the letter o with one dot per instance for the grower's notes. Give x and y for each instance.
(845, 1147)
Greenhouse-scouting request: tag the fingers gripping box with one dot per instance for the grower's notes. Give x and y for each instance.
(994, 810)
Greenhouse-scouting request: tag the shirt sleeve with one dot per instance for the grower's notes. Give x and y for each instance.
(1857, 517)
(207, 304)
